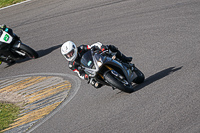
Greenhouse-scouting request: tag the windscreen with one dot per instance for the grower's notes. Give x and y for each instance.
(87, 60)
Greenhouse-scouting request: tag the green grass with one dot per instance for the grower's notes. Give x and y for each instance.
(8, 113)
(4, 3)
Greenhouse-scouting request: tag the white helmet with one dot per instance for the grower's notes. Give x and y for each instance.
(69, 50)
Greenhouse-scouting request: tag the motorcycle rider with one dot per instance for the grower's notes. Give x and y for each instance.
(3, 27)
(73, 54)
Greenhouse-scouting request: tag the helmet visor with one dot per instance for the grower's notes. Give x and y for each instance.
(70, 54)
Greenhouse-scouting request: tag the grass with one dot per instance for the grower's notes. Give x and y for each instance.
(8, 113)
(4, 3)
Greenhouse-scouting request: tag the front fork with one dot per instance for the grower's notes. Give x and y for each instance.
(109, 68)
(117, 75)
(16, 46)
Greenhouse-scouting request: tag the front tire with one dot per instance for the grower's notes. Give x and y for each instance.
(29, 52)
(114, 82)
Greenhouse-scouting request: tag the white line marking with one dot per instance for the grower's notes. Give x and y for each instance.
(15, 4)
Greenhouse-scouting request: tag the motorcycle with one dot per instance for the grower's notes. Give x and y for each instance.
(12, 49)
(106, 69)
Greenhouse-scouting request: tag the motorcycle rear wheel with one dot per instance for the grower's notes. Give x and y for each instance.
(140, 77)
(114, 82)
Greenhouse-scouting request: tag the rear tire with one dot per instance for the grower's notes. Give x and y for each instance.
(28, 51)
(110, 78)
(140, 78)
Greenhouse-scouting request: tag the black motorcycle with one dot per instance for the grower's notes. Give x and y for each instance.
(105, 68)
(12, 49)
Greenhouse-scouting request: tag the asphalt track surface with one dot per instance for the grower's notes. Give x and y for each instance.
(163, 37)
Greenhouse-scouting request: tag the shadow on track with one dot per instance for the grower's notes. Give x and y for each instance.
(41, 53)
(156, 77)
(47, 51)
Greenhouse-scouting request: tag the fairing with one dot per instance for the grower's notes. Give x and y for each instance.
(92, 63)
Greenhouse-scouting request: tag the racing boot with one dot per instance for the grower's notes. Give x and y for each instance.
(119, 55)
(10, 62)
(126, 59)
(2, 59)
(123, 58)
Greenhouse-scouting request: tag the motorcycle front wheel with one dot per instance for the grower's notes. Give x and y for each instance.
(29, 52)
(116, 83)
